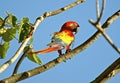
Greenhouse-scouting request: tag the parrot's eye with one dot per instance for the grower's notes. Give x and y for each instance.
(75, 26)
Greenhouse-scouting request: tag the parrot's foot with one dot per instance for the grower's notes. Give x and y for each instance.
(68, 50)
(62, 55)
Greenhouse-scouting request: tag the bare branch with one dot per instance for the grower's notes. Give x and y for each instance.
(115, 67)
(37, 22)
(19, 63)
(63, 58)
(98, 26)
(101, 12)
(97, 9)
(108, 73)
(13, 59)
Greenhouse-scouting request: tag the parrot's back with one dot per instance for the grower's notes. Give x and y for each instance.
(62, 39)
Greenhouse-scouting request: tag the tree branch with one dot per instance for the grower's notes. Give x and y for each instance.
(63, 58)
(101, 12)
(37, 22)
(19, 62)
(115, 67)
(99, 27)
(97, 9)
(112, 70)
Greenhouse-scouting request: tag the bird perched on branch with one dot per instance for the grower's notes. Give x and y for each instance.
(62, 39)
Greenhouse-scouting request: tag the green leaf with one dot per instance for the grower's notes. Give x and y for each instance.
(25, 20)
(2, 31)
(1, 22)
(12, 20)
(3, 49)
(34, 58)
(9, 34)
(24, 30)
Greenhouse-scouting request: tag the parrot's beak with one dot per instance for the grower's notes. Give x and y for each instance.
(76, 30)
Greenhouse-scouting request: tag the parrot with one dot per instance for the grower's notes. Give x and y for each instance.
(62, 39)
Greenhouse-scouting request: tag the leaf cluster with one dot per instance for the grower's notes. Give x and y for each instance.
(10, 29)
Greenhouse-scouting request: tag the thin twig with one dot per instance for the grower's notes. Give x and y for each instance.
(63, 58)
(101, 12)
(97, 9)
(27, 48)
(37, 22)
(98, 26)
(19, 63)
(110, 71)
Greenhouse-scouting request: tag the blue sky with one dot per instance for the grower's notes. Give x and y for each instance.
(85, 66)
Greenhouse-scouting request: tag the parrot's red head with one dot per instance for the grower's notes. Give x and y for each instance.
(71, 26)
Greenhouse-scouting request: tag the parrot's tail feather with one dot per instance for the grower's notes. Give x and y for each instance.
(47, 50)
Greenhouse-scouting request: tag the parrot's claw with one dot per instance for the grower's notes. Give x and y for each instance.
(68, 51)
(61, 54)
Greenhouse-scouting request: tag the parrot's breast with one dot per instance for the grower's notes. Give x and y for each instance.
(65, 36)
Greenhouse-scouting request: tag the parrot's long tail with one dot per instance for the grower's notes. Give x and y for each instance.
(46, 50)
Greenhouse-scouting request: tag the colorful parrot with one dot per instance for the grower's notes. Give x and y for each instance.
(62, 39)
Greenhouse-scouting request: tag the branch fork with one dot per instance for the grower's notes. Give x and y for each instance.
(113, 69)
(100, 28)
